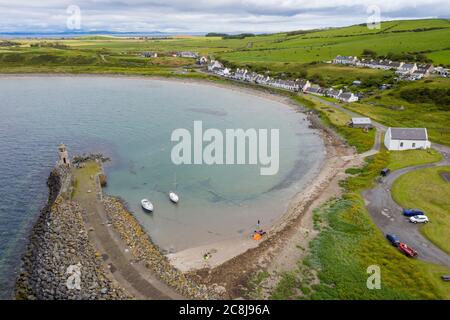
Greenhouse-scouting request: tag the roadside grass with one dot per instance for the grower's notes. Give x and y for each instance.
(356, 137)
(427, 190)
(408, 158)
(349, 242)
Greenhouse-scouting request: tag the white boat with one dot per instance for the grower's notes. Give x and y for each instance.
(173, 197)
(147, 205)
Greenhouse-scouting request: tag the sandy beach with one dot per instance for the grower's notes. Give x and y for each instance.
(232, 258)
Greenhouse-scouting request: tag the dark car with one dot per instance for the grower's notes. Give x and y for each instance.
(413, 212)
(385, 172)
(393, 239)
(410, 252)
(446, 277)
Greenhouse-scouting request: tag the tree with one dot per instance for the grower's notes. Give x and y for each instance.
(369, 53)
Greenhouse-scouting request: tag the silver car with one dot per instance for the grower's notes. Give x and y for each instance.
(419, 219)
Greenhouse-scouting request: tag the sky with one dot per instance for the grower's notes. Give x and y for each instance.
(230, 16)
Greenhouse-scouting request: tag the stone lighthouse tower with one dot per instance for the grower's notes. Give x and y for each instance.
(63, 155)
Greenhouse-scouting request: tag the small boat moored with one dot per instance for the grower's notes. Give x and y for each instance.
(147, 205)
(173, 197)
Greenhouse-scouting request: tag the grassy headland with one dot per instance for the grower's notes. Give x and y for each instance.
(348, 243)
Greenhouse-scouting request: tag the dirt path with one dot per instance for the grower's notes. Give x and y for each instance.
(131, 275)
(387, 214)
(378, 126)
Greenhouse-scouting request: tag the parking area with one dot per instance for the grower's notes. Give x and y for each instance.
(387, 214)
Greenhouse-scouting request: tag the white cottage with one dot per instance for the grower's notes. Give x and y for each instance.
(347, 97)
(406, 139)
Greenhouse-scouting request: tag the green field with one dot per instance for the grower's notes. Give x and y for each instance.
(394, 37)
(427, 190)
(282, 52)
(409, 158)
(356, 137)
(348, 243)
(392, 109)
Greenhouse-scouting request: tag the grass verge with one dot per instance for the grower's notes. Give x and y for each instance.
(349, 242)
(426, 189)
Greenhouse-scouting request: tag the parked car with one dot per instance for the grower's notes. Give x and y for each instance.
(413, 212)
(446, 277)
(385, 172)
(393, 239)
(419, 219)
(410, 252)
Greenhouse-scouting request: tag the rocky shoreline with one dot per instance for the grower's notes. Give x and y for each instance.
(59, 251)
(143, 250)
(59, 244)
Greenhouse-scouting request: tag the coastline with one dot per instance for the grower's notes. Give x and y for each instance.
(262, 92)
(227, 253)
(59, 248)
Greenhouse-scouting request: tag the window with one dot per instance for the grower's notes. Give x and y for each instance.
(414, 145)
(401, 144)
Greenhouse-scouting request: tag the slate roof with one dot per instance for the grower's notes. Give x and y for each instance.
(408, 133)
(361, 121)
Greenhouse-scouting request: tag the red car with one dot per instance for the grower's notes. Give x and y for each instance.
(407, 250)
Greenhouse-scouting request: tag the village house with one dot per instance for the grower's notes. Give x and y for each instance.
(316, 90)
(361, 123)
(395, 65)
(406, 139)
(364, 63)
(425, 69)
(348, 97)
(304, 84)
(240, 74)
(202, 60)
(214, 65)
(406, 69)
(286, 84)
(150, 54)
(345, 60)
(188, 54)
(441, 71)
(333, 93)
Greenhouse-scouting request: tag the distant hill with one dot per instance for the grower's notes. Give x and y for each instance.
(428, 37)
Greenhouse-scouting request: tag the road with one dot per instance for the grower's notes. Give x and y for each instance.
(385, 212)
(378, 126)
(387, 215)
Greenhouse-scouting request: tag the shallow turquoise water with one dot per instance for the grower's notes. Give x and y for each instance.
(131, 120)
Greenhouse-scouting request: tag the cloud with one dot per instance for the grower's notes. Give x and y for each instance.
(205, 16)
